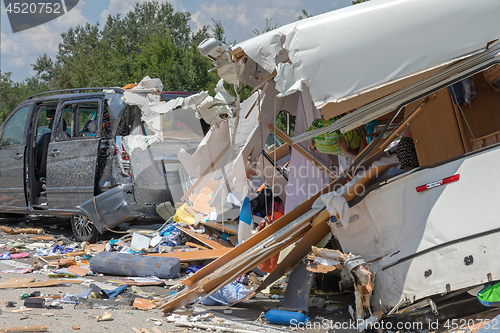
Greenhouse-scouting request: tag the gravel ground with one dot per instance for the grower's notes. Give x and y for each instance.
(245, 315)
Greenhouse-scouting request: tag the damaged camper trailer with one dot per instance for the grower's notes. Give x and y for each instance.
(425, 232)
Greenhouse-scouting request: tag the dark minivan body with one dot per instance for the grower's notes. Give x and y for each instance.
(61, 154)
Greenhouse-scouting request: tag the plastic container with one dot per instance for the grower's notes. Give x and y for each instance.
(282, 317)
(245, 224)
(124, 264)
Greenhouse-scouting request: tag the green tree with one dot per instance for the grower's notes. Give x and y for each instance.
(359, 1)
(268, 27)
(12, 93)
(151, 40)
(304, 15)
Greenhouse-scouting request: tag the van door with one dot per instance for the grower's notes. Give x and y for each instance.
(72, 154)
(12, 153)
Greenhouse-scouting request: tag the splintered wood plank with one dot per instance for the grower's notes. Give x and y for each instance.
(258, 237)
(301, 249)
(218, 227)
(205, 281)
(318, 163)
(195, 255)
(49, 283)
(204, 239)
(198, 246)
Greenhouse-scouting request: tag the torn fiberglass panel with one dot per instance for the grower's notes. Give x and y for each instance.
(404, 38)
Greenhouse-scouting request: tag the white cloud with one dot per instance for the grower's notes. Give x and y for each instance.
(239, 18)
(20, 50)
(124, 6)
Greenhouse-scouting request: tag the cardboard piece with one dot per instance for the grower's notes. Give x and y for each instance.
(143, 304)
(14, 280)
(105, 317)
(42, 238)
(12, 231)
(80, 271)
(63, 262)
(57, 256)
(94, 248)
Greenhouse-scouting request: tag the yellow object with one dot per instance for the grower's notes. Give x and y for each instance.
(183, 216)
(129, 86)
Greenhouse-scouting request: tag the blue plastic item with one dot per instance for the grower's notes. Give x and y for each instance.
(5, 256)
(282, 317)
(227, 295)
(115, 292)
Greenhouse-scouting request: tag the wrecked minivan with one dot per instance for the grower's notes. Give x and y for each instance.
(89, 155)
(426, 233)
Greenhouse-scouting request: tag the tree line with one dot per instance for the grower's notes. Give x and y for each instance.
(152, 39)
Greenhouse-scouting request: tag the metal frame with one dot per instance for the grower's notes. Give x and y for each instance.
(76, 90)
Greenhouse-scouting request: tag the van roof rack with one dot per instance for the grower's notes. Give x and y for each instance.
(76, 90)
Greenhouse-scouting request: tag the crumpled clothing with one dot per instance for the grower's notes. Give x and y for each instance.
(41, 252)
(172, 236)
(336, 203)
(243, 280)
(193, 269)
(5, 256)
(463, 92)
(227, 295)
(59, 249)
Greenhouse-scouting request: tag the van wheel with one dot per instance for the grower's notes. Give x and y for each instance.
(84, 229)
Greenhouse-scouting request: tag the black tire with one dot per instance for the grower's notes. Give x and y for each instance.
(84, 229)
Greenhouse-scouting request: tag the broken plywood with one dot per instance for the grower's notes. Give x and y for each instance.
(143, 304)
(255, 250)
(195, 255)
(204, 239)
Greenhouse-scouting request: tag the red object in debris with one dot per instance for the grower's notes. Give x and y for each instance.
(437, 183)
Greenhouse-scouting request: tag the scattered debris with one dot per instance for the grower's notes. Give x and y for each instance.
(17, 231)
(105, 317)
(26, 329)
(143, 304)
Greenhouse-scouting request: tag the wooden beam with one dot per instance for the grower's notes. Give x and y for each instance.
(319, 164)
(280, 152)
(204, 239)
(301, 249)
(195, 255)
(404, 125)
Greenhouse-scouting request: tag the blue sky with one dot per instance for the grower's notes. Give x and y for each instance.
(238, 17)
